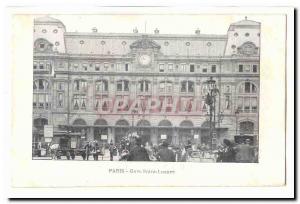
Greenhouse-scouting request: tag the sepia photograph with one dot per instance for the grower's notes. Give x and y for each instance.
(145, 94)
(117, 102)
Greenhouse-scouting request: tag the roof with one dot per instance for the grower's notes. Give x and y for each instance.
(46, 20)
(246, 22)
(168, 44)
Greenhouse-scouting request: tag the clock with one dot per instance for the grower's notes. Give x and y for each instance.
(144, 59)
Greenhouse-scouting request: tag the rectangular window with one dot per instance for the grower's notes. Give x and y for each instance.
(161, 68)
(192, 68)
(60, 100)
(41, 66)
(126, 85)
(84, 66)
(204, 70)
(161, 87)
(106, 67)
(213, 68)
(34, 65)
(41, 101)
(254, 68)
(183, 86)
(119, 67)
(34, 100)
(227, 102)
(254, 104)
(97, 67)
(119, 86)
(241, 68)
(60, 86)
(170, 67)
(247, 104)
(240, 103)
(183, 68)
(126, 67)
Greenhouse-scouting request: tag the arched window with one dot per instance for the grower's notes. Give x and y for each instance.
(122, 123)
(39, 123)
(187, 87)
(144, 86)
(123, 85)
(247, 97)
(247, 127)
(165, 87)
(101, 86)
(165, 123)
(79, 122)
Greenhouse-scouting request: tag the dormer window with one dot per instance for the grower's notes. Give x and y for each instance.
(42, 45)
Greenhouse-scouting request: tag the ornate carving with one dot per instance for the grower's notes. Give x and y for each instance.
(145, 43)
(43, 45)
(248, 48)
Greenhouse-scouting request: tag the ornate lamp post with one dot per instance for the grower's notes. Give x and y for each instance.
(210, 100)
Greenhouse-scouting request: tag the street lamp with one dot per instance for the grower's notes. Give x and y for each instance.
(210, 100)
(237, 112)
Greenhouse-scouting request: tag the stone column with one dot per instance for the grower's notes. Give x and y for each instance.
(111, 134)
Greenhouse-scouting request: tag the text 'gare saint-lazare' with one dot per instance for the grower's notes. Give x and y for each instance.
(109, 85)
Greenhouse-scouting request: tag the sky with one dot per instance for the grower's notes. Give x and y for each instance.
(167, 24)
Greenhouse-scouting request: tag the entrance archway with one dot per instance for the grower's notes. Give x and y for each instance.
(186, 131)
(144, 131)
(100, 128)
(122, 129)
(165, 128)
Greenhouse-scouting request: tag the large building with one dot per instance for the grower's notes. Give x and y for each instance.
(104, 86)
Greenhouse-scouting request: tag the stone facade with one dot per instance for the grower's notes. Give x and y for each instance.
(76, 74)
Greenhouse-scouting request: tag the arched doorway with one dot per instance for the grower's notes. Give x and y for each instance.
(78, 135)
(144, 131)
(165, 130)
(101, 128)
(122, 129)
(186, 131)
(38, 131)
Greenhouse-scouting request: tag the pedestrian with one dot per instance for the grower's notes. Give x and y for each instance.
(87, 150)
(165, 154)
(138, 153)
(228, 154)
(111, 151)
(95, 149)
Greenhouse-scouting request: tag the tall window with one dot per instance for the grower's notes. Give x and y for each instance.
(144, 86)
(187, 87)
(60, 100)
(80, 85)
(161, 67)
(213, 68)
(247, 97)
(241, 68)
(165, 87)
(41, 94)
(123, 85)
(79, 102)
(101, 86)
(192, 68)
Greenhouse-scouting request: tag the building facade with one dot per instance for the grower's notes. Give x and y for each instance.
(104, 86)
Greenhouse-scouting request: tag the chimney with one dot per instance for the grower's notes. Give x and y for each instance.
(197, 32)
(95, 30)
(156, 31)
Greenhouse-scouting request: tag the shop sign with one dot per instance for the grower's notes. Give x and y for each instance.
(48, 131)
(103, 137)
(163, 137)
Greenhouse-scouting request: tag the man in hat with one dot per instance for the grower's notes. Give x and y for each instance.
(165, 154)
(138, 153)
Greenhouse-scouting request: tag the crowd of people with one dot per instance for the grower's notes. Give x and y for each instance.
(135, 150)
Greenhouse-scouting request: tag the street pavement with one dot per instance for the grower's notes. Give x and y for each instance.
(106, 157)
